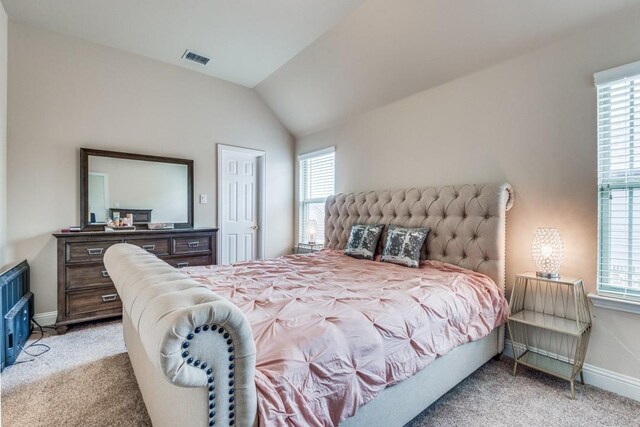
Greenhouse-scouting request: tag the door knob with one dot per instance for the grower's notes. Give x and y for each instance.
(254, 227)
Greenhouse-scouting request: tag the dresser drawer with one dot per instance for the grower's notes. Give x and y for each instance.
(141, 217)
(190, 245)
(158, 247)
(86, 292)
(191, 261)
(84, 276)
(92, 301)
(87, 251)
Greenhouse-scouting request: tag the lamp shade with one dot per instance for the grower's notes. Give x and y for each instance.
(547, 251)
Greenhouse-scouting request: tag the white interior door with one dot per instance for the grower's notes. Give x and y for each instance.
(238, 205)
(98, 197)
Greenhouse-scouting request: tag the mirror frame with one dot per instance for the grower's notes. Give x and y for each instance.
(84, 183)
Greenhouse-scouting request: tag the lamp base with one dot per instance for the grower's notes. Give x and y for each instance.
(548, 275)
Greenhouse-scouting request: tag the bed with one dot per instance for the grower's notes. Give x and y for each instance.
(322, 339)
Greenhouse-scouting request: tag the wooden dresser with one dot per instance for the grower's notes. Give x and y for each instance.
(85, 291)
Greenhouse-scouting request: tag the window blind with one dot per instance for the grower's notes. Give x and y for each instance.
(316, 181)
(618, 99)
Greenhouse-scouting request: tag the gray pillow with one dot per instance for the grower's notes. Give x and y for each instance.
(363, 241)
(403, 245)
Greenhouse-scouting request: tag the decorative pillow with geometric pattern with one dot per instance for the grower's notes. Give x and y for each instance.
(403, 245)
(363, 241)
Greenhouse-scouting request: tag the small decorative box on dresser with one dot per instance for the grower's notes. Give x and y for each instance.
(85, 291)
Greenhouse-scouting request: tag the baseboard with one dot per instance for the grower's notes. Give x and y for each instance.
(46, 319)
(614, 382)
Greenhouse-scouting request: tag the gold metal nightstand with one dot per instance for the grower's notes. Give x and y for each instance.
(550, 325)
(307, 248)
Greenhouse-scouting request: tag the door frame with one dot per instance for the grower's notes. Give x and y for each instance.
(105, 192)
(261, 195)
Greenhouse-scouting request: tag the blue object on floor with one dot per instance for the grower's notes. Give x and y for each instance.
(16, 302)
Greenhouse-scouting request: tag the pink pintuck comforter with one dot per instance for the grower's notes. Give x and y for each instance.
(332, 331)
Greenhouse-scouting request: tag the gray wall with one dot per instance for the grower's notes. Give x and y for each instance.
(65, 93)
(530, 121)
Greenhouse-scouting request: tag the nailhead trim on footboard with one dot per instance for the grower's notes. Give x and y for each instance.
(210, 379)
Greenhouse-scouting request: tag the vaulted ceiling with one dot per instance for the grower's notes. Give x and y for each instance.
(318, 62)
(247, 40)
(386, 50)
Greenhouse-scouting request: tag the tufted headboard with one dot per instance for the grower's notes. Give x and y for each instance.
(467, 222)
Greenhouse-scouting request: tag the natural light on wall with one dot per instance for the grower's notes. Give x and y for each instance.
(316, 181)
(619, 181)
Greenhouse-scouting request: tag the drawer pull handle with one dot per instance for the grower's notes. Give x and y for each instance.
(105, 273)
(110, 297)
(182, 264)
(193, 244)
(95, 251)
(148, 247)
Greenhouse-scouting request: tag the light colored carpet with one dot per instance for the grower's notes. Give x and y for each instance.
(493, 397)
(86, 380)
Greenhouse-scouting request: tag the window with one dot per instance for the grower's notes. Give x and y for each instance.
(619, 181)
(316, 180)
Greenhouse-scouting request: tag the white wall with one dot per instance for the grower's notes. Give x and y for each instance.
(530, 121)
(65, 93)
(4, 256)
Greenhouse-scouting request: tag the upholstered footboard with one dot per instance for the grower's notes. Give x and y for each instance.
(192, 351)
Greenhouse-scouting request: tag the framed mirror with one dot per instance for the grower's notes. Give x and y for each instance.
(150, 188)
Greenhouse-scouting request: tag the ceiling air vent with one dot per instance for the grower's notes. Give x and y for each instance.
(192, 56)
